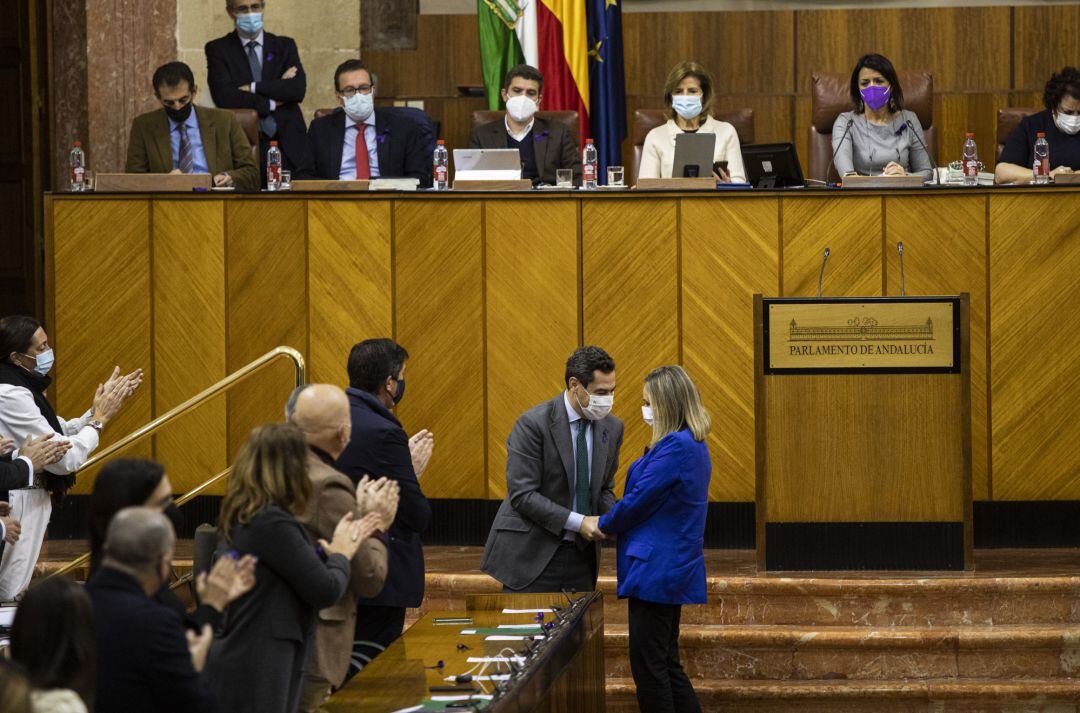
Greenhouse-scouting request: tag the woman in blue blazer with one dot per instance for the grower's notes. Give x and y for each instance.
(660, 523)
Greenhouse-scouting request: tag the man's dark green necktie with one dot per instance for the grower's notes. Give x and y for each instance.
(582, 484)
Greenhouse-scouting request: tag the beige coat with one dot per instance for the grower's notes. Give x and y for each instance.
(333, 495)
(658, 153)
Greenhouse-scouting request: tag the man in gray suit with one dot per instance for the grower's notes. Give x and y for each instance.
(560, 470)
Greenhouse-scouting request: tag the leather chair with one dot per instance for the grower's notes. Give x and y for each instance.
(1007, 121)
(569, 118)
(249, 122)
(831, 96)
(430, 128)
(645, 120)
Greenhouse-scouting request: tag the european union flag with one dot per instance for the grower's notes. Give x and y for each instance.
(607, 86)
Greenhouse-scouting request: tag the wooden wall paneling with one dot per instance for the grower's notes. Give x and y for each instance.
(1045, 41)
(188, 245)
(746, 52)
(102, 312)
(803, 109)
(447, 54)
(947, 256)
(531, 274)
(729, 252)
(772, 114)
(266, 275)
(851, 227)
(630, 299)
(439, 312)
(1034, 340)
(957, 114)
(454, 115)
(967, 48)
(350, 287)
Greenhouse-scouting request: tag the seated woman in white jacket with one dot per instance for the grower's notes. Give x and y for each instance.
(25, 361)
(688, 96)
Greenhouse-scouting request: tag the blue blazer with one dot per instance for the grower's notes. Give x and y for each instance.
(661, 522)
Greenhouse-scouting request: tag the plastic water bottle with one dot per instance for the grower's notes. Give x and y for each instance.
(1040, 168)
(273, 167)
(971, 161)
(77, 162)
(590, 162)
(441, 167)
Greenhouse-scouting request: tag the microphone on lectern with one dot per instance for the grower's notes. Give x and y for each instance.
(900, 250)
(821, 275)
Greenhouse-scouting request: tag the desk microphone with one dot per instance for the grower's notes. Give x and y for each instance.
(821, 275)
(832, 161)
(924, 148)
(900, 250)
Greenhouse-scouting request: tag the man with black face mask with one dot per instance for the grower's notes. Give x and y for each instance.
(184, 138)
(379, 447)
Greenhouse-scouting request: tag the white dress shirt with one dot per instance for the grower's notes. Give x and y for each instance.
(21, 418)
(658, 153)
(520, 135)
(573, 522)
(348, 149)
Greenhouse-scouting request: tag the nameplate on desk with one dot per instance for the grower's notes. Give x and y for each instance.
(847, 335)
(317, 186)
(707, 183)
(152, 182)
(1067, 179)
(507, 184)
(909, 181)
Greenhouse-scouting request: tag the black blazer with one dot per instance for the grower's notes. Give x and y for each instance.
(401, 146)
(227, 69)
(13, 475)
(379, 447)
(143, 663)
(257, 660)
(555, 147)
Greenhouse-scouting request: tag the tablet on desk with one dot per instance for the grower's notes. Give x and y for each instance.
(693, 155)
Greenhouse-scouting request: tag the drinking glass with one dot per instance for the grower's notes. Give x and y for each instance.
(564, 178)
(615, 176)
(286, 180)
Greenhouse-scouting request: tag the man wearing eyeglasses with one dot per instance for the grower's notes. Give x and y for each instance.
(184, 138)
(359, 141)
(253, 69)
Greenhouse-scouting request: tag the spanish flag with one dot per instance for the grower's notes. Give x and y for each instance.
(552, 36)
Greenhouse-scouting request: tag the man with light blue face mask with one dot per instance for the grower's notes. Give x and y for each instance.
(359, 141)
(254, 69)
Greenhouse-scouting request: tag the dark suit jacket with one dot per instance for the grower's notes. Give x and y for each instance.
(555, 146)
(257, 659)
(401, 146)
(227, 69)
(227, 149)
(143, 662)
(379, 447)
(13, 475)
(540, 476)
(333, 495)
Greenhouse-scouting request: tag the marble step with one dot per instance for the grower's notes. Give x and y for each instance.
(782, 653)
(835, 601)
(886, 696)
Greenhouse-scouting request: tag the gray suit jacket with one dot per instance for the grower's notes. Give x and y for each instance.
(540, 484)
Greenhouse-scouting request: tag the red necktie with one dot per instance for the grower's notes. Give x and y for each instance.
(363, 165)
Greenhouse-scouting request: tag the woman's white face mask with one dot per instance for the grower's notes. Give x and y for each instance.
(1067, 123)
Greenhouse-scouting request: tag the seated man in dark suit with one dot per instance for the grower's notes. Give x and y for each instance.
(545, 146)
(145, 662)
(379, 447)
(184, 138)
(358, 141)
(252, 69)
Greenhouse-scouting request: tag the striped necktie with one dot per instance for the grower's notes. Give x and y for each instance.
(185, 159)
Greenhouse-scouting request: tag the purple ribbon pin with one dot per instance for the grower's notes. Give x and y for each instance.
(541, 136)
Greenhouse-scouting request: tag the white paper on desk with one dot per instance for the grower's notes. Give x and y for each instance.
(495, 659)
(519, 626)
(496, 677)
(410, 709)
(528, 611)
(467, 632)
(7, 616)
(507, 638)
(474, 697)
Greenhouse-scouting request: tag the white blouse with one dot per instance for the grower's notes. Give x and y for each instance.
(658, 154)
(20, 417)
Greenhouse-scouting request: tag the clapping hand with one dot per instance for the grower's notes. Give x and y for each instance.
(349, 534)
(7, 445)
(590, 529)
(420, 447)
(227, 581)
(199, 646)
(12, 527)
(44, 450)
(379, 497)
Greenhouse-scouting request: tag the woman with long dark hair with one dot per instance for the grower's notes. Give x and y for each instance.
(53, 639)
(879, 136)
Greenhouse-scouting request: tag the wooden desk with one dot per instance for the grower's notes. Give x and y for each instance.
(491, 292)
(567, 674)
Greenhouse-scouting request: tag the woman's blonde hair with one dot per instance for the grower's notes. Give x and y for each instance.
(270, 469)
(676, 403)
(680, 72)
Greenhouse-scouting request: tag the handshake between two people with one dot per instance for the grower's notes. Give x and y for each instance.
(590, 529)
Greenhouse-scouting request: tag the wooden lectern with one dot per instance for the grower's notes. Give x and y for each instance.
(863, 425)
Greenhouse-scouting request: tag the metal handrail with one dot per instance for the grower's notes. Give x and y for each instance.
(221, 386)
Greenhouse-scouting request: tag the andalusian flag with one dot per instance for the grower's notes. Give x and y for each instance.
(552, 36)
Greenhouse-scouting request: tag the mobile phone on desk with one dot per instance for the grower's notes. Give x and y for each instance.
(719, 167)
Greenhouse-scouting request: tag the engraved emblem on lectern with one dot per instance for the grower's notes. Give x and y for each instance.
(862, 329)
